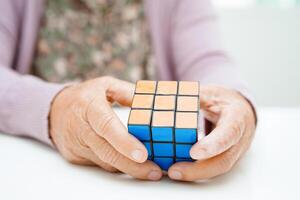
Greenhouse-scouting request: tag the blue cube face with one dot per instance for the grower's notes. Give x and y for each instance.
(141, 132)
(183, 150)
(163, 163)
(163, 149)
(185, 135)
(148, 147)
(162, 134)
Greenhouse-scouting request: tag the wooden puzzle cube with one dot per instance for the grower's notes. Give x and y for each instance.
(164, 117)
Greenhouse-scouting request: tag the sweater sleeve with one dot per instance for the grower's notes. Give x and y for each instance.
(25, 103)
(197, 53)
(24, 99)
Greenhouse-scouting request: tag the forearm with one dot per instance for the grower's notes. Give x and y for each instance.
(24, 104)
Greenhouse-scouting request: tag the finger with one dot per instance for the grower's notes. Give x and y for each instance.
(88, 157)
(227, 133)
(205, 169)
(105, 152)
(119, 91)
(93, 158)
(208, 97)
(106, 124)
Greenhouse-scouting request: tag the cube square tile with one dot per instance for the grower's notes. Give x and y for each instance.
(164, 102)
(145, 87)
(188, 88)
(164, 163)
(141, 132)
(167, 87)
(143, 101)
(162, 134)
(186, 103)
(187, 120)
(163, 119)
(140, 117)
(185, 135)
(139, 124)
(163, 149)
(183, 150)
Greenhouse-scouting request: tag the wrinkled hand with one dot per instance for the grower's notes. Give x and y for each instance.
(216, 154)
(86, 131)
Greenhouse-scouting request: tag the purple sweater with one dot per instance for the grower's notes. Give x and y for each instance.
(185, 39)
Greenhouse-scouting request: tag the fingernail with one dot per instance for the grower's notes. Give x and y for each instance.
(154, 175)
(137, 155)
(175, 175)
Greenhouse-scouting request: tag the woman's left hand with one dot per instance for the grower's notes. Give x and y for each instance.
(216, 154)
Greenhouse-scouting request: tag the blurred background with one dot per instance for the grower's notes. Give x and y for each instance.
(263, 37)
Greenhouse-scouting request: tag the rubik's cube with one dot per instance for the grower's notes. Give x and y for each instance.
(164, 117)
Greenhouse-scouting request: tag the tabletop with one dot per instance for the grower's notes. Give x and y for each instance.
(269, 170)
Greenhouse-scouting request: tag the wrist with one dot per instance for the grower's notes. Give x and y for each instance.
(53, 107)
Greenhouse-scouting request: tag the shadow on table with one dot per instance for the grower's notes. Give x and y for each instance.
(120, 178)
(123, 178)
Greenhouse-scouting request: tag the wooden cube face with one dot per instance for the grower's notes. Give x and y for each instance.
(187, 103)
(188, 88)
(164, 102)
(145, 87)
(167, 87)
(143, 101)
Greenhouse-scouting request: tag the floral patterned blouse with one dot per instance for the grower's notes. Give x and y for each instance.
(84, 39)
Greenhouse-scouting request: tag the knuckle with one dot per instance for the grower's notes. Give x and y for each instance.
(235, 129)
(110, 156)
(110, 169)
(226, 165)
(220, 144)
(83, 97)
(135, 168)
(105, 122)
(72, 159)
(107, 79)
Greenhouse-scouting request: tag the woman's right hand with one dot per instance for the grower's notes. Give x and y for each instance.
(85, 129)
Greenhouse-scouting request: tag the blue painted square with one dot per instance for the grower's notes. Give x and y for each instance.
(164, 163)
(163, 149)
(163, 134)
(148, 147)
(141, 132)
(183, 150)
(185, 135)
(184, 160)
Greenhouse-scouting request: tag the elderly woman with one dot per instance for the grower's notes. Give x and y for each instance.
(60, 68)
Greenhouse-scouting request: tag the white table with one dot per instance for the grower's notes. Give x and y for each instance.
(270, 170)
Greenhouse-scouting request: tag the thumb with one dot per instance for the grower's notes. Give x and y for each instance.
(119, 91)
